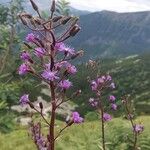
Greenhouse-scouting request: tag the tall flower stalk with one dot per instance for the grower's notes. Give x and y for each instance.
(136, 128)
(50, 62)
(99, 86)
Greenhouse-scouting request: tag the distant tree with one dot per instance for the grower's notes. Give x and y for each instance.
(62, 7)
(8, 36)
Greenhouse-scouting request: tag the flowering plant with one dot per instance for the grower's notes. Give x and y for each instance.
(50, 62)
(98, 86)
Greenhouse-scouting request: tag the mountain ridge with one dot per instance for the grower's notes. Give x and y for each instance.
(109, 34)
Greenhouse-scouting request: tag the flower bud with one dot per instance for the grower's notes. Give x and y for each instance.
(41, 105)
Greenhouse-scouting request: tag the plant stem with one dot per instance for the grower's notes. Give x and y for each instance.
(53, 115)
(102, 122)
(135, 141)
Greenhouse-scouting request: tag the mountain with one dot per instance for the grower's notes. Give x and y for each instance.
(111, 34)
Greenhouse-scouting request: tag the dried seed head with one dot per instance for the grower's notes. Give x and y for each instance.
(53, 6)
(27, 45)
(74, 30)
(26, 15)
(65, 20)
(35, 7)
(74, 20)
(38, 21)
(31, 105)
(41, 105)
(57, 18)
(78, 54)
(23, 20)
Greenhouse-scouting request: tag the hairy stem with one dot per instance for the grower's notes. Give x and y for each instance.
(102, 128)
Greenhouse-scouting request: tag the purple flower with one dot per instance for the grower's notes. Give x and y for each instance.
(94, 86)
(71, 69)
(31, 37)
(106, 117)
(63, 48)
(113, 106)
(49, 75)
(108, 78)
(93, 102)
(112, 98)
(69, 51)
(39, 52)
(112, 85)
(60, 46)
(138, 128)
(76, 118)
(61, 64)
(23, 69)
(25, 56)
(100, 81)
(24, 99)
(65, 84)
(103, 77)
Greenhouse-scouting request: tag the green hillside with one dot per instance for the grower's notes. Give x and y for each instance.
(84, 137)
(131, 75)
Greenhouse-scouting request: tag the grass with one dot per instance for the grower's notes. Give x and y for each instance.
(83, 137)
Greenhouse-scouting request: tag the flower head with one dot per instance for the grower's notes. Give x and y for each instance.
(60, 46)
(94, 86)
(76, 118)
(112, 85)
(108, 78)
(100, 80)
(61, 64)
(63, 48)
(25, 56)
(113, 106)
(65, 84)
(23, 69)
(112, 98)
(24, 99)
(93, 102)
(71, 69)
(31, 37)
(50, 75)
(106, 117)
(138, 128)
(39, 52)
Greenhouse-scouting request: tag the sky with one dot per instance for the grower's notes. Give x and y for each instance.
(98, 5)
(113, 5)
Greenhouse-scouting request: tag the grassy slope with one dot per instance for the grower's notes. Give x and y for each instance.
(82, 137)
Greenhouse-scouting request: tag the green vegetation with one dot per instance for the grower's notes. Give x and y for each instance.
(131, 75)
(83, 137)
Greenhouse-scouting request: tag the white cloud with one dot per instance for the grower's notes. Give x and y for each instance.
(113, 5)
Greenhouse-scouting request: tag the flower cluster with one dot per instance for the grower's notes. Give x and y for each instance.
(138, 128)
(102, 82)
(49, 59)
(37, 137)
(98, 86)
